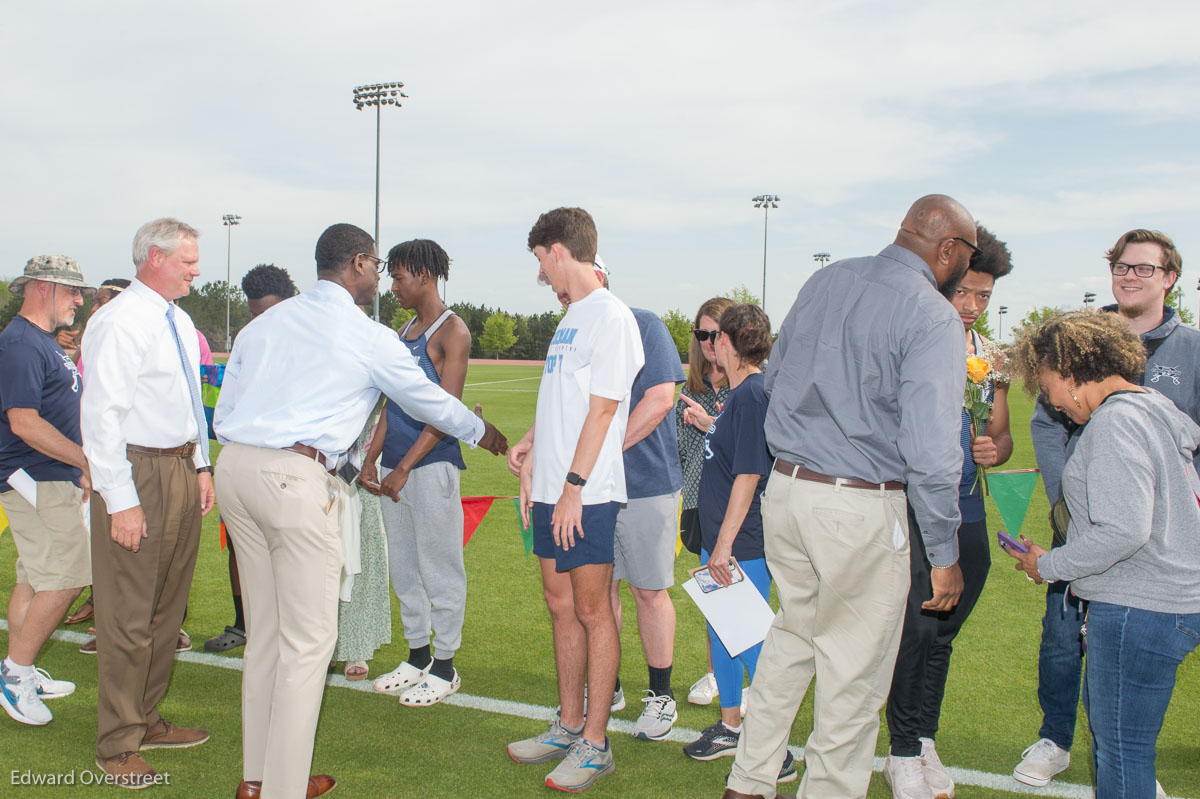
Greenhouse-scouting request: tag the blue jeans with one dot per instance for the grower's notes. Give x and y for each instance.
(1132, 659)
(1060, 665)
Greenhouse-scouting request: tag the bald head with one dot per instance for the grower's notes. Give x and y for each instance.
(940, 230)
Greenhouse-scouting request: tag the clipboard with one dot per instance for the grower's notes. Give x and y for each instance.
(738, 613)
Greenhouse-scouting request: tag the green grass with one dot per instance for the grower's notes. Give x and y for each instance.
(378, 749)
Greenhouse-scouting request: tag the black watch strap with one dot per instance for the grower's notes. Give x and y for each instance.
(576, 480)
(204, 469)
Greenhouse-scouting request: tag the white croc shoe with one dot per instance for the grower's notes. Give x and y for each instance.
(430, 691)
(403, 676)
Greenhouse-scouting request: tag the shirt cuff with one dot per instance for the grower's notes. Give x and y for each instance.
(480, 429)
(943, 554)
(1045, 567)
(121, 498)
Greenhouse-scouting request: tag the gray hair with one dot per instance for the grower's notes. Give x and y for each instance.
(165, 234)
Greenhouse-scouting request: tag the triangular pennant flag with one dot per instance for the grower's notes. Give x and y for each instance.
(474, 509)
(3, 521)
(224, 533)
(1011, 491)
(679, 527)
(526, 532)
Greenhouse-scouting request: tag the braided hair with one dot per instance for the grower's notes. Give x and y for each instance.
(420, 256)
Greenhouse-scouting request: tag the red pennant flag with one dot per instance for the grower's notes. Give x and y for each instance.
(474, 509)
(224, 534)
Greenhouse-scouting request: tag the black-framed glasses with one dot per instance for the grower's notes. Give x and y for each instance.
(1120, 269)
(706, 335)
(974, 250)
(380, 264)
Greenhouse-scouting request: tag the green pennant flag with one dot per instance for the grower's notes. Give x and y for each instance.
(1011, 491)
(526, 532)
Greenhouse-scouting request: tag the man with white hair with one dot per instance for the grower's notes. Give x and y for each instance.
(147, 441)
(40, 440)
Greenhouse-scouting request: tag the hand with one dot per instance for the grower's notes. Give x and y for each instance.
(85, 482)
(129, 528)
(1027, 561)
(208, 496)
(947, 588)
(493, 440)
(568, 516)
(718, 562)
(517, 453)
(984, 452)
(67, 338)
(368, 478)
(695, 415)
(526, 491)
(393, 484)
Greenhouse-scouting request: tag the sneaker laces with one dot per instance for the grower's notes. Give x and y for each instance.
(656, 705)
(908, 768)
(582, 750)
(1040, 749)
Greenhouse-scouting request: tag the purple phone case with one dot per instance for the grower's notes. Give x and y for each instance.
(1008, 542)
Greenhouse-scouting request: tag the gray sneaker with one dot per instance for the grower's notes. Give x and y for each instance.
(585, 763)
(550, 745)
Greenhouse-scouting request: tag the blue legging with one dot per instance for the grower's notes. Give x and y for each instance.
(729, 670)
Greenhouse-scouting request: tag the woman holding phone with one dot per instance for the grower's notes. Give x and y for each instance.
(735, 473)
(1133, 542)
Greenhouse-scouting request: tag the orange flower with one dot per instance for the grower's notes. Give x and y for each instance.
(977, 369)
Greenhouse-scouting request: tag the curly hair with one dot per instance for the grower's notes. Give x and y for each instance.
(1086, 346)
(420, 256)
(267, 279)
(749, 331)
(993, 257)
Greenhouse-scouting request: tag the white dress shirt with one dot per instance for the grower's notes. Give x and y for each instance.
(310, 370)
(134, 388)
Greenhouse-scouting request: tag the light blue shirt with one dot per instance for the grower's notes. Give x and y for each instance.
(310, 370)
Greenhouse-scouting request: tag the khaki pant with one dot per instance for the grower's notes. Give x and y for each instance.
(277, 507)
(141, 598)
(839, 558)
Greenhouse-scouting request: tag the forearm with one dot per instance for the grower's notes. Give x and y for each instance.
(740, 498)
(45, 438)
(648, 414)
(426, 441)
(591, 437)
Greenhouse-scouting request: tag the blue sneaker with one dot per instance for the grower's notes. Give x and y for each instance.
(585, 763)
(553, 744)
(19, 696)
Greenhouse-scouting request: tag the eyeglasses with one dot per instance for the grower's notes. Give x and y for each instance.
(974, 250)
(380, 264)
(706, 335)
(1121, 268)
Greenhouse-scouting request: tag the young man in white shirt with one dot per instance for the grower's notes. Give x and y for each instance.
(572, 483)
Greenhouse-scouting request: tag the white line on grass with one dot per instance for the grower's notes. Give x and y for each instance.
(962, 776)
(496, 382)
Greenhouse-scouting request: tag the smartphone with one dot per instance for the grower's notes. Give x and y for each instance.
(1008, 542)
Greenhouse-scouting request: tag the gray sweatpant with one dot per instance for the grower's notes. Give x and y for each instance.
(425, 556)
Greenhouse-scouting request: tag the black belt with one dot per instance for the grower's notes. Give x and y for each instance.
(800, 473)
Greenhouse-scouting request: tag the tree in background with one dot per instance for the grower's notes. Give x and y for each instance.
(206, 306)
(1035, 317)
(388, 305)
(681, 331)
(400, 316)
(1175, 300)
(498, 334)
(982, 327)
(742, 295)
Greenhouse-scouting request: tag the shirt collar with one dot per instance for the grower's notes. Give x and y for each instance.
(910, 259)
(150, 295)
(329, 291)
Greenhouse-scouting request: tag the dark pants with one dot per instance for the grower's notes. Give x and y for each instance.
(141, 598)
(919, 680)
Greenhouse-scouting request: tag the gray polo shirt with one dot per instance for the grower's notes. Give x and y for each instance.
(866, 380)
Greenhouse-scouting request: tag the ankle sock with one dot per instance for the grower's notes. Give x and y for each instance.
(573, 730)
(735, 730)
(660, 681)
(15, 669)
(443, 668)
(239, 618)
(419, 656)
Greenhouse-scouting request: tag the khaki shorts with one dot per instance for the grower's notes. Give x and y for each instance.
(644, 544)
(53, 547)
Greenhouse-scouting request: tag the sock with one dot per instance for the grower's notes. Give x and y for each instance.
(443, 668)
(239, 620)
(660, 681)
(573, 730)
(735, 730)
(16, 669)
(617, 686)
(419, 656)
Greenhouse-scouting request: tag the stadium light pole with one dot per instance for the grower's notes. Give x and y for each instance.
(378, 95)
(229, 220)
(1088, 298)
(1000, 322)
(821, 258)
(765, 202)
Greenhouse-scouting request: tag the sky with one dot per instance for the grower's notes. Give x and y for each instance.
(1059, 125)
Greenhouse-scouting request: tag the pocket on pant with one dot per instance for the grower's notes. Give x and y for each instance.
(839, 515)
(1188, 624)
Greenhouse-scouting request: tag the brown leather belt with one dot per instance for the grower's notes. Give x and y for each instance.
(309, 452)
(800, 473)
(182, 451)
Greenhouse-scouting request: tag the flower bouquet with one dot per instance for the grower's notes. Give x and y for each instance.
(983, 371)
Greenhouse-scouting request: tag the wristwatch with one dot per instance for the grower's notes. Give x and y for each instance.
(200, 469)
(576, 480)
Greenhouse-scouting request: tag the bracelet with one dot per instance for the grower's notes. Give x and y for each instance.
(935, 566)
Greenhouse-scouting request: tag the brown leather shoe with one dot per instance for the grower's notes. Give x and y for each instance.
(165, 735)
(184, 643)
(319, 785)
(730, 793)
(128, 770)
(89, 648)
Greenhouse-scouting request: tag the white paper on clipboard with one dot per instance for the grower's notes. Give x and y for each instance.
(738, 613)
(24, 485)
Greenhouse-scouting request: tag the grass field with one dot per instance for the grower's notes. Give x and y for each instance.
(376, 748)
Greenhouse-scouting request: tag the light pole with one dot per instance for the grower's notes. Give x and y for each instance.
(765, 202)
(821, 258)
(229, 220)
(1000, 322)
(1088, 298)
(378, 95)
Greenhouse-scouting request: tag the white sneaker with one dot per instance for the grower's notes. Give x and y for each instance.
(20, 699)
(1159, 792)
(703, 690)
(658, 716)
(936, 776)
(1041, 763)
(618, 700)
(50, 688)
(906, 775)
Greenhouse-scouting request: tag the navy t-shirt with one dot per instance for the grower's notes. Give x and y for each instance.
(736, 444)
(35, 373)
(652, 465)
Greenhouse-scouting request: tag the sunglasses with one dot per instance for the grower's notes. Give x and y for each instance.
(974, 250)
(706, 335)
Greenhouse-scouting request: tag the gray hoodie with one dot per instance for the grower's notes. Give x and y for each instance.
(1173, 368)
(1134, 496)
